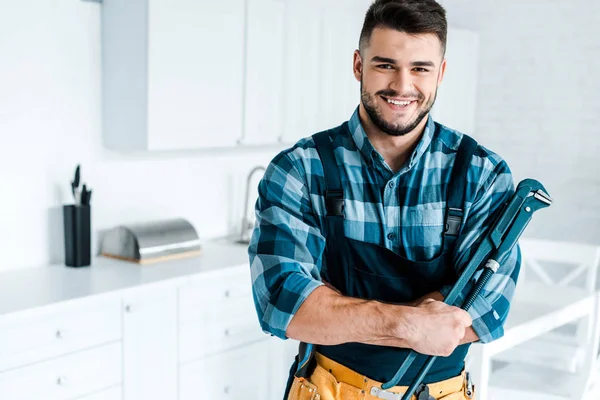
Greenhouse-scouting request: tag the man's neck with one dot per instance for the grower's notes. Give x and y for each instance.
(395, 150)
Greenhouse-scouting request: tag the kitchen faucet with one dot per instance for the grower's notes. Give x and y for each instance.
(246, 223)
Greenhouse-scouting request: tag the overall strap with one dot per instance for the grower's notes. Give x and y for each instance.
(456, 186)
(334, 194)
(339, 274)
(334, 205)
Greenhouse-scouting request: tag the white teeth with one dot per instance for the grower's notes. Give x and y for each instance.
(399, 103)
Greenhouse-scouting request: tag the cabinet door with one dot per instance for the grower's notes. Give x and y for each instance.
(195, 73)
(150, 344)
(303, 22)
(281, 354)
(320, 91)
(456, 101)
(239, 374)
(263, 108)
(339, 90)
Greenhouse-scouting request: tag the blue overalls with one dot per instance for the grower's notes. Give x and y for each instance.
(370, 271)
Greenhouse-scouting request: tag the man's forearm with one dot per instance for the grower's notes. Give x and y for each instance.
(329, 318)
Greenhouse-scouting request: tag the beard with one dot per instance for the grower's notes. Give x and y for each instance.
(393, 129)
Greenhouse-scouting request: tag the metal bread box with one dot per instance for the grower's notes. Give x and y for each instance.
(153, 241)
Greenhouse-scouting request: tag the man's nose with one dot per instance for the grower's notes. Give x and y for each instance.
(402, 82)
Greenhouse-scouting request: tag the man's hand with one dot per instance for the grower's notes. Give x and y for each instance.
(470, 335)
(435, 328)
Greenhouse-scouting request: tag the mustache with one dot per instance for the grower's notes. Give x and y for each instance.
(393, 93)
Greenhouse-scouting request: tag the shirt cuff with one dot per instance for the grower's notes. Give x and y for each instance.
(487, 324)
(282, 309)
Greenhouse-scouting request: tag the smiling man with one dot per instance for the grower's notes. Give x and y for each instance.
(362, 229)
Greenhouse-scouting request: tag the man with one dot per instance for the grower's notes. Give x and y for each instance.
(361, 229)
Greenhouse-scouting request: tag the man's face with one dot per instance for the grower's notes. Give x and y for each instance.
(399, 75)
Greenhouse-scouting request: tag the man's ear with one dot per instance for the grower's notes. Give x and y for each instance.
(442, 72)
(357, 65)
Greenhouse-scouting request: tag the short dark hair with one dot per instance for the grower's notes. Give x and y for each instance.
(410, 16)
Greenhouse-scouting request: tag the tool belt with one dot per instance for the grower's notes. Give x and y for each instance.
(332, 381)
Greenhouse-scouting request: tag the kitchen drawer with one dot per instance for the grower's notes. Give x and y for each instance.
(241, 374)
(62, 329)
(113, 393)
(214, 293)
(219, 332)
(66, 377)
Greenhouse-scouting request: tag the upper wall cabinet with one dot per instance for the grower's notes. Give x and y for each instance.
(264, 83)
(320, 90)
(172, 73)
(193, 74)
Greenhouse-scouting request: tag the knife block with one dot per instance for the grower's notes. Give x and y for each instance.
(77, 230)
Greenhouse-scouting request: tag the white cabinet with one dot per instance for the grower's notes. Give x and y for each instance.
(239, 374)
(36, 336)
(217, 314)
(172, 73)
(263, 107)
(112, 393)
(281, 354)
(65, 377)
(185, 74)
(150, 344)
(320, 90)
(303, 21)
(455, 105)
(339, 92)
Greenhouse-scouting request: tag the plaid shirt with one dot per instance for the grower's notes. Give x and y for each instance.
(403, 211)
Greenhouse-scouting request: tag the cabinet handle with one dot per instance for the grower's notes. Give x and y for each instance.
(62, 381)
(227, 293)
(60, 334)
(227, 332)
(129, 308)
(227, 389)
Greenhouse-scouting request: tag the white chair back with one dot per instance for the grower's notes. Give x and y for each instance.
(589, 368)
(582, 260)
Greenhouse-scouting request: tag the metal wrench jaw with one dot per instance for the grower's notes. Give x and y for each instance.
(542, 196)
(537, 200)
(530, 185)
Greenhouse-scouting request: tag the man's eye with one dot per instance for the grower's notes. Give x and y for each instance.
(421, 70)
(385, 66)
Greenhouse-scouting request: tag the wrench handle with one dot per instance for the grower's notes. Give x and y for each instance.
(483, 279)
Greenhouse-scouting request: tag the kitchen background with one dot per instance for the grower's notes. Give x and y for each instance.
(537, 105)
(528, 91)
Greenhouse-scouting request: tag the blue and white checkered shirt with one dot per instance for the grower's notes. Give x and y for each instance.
(403, 211)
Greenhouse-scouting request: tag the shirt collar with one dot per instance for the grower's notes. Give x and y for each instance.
(363, 144)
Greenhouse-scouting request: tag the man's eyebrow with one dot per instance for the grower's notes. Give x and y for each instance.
(383, 60)
(423, 64)
(386, 60)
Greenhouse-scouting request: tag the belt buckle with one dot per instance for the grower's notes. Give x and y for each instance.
(422, 394)
(384, 395)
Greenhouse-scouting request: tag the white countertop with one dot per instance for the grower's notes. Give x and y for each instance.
(37, 287)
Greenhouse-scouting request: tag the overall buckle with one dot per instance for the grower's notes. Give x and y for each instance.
(334, 202)
(453, 221)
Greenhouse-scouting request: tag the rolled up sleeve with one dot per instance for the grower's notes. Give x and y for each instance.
(490, 309)
(286, 245)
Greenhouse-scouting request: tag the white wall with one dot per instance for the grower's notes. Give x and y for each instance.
(50, 80)
(539, 102)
